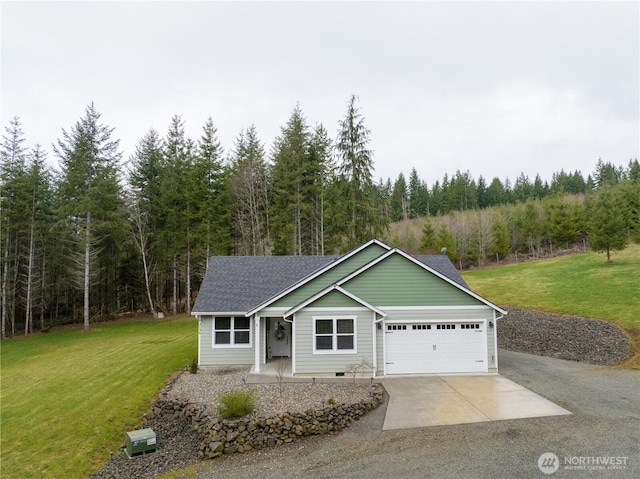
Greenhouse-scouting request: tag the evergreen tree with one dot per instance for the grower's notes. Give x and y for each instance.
(483, 200)
(177, 210)
(145, 208)
(418, 196)
(90, 198)
(320, 175)
(533, 226)
(501, 242)
(436, 203)
(539, 189)
(496, 194)
(606, 174)
(633, 172)
(399, 202)
(563, 219)
(38, 213)
(445, 242)
(522, 190)
(212, 177)
(291, 183)
(630, 195)
(428, 241)
(12, 169)
(607, 224)
(355, 166)
(250, 195)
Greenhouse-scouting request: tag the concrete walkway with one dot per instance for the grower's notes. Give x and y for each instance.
(422, 401)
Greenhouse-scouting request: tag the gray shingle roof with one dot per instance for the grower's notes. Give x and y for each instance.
(239, 283)
(235, 284)
(443, 265)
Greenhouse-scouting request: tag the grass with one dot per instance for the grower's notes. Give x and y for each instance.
(579, 285)
(68, 397)
(236, 404)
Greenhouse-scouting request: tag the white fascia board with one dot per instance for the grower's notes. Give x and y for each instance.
(326, 291)
(220, 313)
(361, 301)
(425, 267)
(316, 274)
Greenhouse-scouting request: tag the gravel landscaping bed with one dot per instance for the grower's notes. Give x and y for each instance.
(177, 441)
(564, 337)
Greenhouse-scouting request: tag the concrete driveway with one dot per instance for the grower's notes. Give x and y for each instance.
(422, 401)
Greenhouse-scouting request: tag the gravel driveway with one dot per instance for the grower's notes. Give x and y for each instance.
(605, 403)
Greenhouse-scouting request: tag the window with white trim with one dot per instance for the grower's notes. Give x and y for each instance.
(231, 331)
(334, 335)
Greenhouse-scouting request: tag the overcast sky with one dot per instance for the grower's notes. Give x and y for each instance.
(496, 88)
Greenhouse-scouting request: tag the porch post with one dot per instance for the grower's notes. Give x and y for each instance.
(256, 343)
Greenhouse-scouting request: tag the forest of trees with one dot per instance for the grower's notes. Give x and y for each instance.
(103, 235)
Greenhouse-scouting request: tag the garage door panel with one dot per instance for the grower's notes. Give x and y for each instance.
(444, 347)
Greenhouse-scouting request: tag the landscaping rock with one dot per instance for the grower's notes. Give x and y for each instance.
(564, 337)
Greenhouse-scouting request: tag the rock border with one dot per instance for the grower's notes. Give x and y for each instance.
(222, 436)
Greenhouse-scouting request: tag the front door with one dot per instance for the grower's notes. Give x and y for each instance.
(280, 338)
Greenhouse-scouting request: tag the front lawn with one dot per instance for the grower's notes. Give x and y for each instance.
(68, 397)
(580, 285)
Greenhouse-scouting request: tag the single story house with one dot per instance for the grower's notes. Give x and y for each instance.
(376, 306)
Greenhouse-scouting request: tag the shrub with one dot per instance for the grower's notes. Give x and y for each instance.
(236, 404)
(194, 366)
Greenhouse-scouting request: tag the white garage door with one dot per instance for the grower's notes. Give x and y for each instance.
(447, 347)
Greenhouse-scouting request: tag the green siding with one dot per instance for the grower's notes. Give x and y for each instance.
(334, 299)
(330, 276)
(396, 281)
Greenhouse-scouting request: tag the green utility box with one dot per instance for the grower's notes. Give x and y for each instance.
(139, 442)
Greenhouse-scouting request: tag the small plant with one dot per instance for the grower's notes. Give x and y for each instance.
(193, 368)
(362, 366)
(331, 401)
(236, 404)
(280, 370)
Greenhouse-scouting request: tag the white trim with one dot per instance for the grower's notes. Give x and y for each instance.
(256, 361)
(343, 309)
(293, 344)
(334, 335)
(326, 291)
(386, 255)
(384, 349)
(433, 308)
(232, 330)
(374, 327)
(221, 313)
(495, 339)
(304, 281)
(200, 340)
(426, 321)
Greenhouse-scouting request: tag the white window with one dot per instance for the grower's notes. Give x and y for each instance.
(334, 335)
(231, 331)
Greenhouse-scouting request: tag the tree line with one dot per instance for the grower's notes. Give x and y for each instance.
(103, 235)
